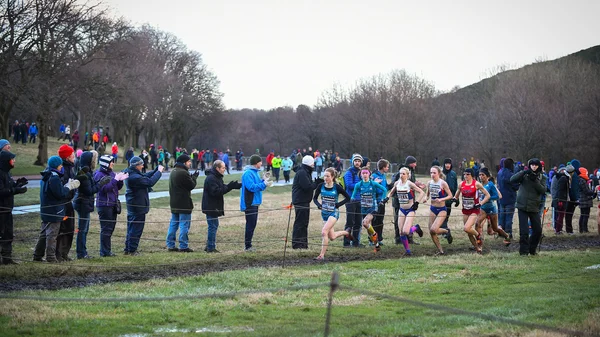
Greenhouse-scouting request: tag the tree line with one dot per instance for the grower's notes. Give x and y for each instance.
(69, 61)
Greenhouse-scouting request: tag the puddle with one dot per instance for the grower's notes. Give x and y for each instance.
(199, 330)
(596, 266)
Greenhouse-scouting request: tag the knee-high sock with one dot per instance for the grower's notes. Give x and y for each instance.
(412, 229)
(404, 239)
(370, 230)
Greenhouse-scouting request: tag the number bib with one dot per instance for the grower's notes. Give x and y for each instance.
(328, 204)
(366, 201)
(468, 203)
(403, 197)
(434, 191)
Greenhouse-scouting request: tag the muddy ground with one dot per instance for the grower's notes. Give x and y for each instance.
(204, 267)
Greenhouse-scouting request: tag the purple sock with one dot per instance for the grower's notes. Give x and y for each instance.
(412, 229)
(404, 240)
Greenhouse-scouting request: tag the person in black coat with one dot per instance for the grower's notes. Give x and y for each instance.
(8, 189)
(83, 202)
(302, 194)
(67, 226)
(213, 204)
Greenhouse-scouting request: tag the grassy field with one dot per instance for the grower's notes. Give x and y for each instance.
(553, 289)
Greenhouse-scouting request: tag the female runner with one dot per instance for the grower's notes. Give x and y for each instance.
(439, 192)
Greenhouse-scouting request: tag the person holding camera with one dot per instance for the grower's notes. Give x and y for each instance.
(533, 185)
(181, 184)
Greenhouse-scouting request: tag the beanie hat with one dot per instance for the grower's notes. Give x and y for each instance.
(570, 168)
(410, 160)
(308, 161)
(3, 143)
(255, 159)
(470, 171)
(576, 164)
(64, 151)
(447, 161)
(357, 156)
(135, 161)
(105, 161)
(183, 158)
(534, 161)
(54, 162)
(583, 172)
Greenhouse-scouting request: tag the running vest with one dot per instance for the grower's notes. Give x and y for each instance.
(367, 194)
(491, 188)
(470, 195)
(404, 193)
(329, 197)
(435, 190)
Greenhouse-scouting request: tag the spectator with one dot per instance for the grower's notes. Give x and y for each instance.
(68, 133)
(213, 204)
(24, 132)
(52, 196)
(61, 129)
(302, 194)
(586, 197)
(4, 145)
(251, 197)
(226, 161)
(8, 189)
(181, 184)
(508, 190)
(115, 151)
(138, 201)
(270, 157)
(67, 226)
(129, 154)
(452, 181)
(75, 140)
(108, 203)
(287, 164)
(33, 131)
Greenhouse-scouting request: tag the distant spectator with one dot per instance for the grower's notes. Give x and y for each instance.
(33, 131)
(8, 189)
(251, 197)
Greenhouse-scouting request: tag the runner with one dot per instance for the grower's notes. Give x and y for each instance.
(471, 204)
(405, 191)
(365, 191)
(329, 207)
(489, 210)
(439, 192)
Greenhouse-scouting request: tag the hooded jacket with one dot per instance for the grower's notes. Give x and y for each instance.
(7, 185)
(52, 196)
(559, 189)
(214, 189)
(507, 188)
(181, 184)
(533, 185)
(303, 187)
(108, 194)
(451, 180)
(136, 194)
(252, 187)
(84, 197)
(586, 195)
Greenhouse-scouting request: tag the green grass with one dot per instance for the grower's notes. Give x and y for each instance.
(545, 290)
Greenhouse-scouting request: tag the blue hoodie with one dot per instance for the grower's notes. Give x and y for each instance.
(252, 187)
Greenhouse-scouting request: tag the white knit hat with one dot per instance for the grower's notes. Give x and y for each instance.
(308, 161)
(356, 156)
(105, 160)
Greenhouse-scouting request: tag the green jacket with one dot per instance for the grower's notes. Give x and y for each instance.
(181, 184)
(529, 195)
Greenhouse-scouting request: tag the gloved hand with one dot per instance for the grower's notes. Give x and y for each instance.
(383, 202)
(456, 202)
(267, 175)
(415, 206)
(319, 206)
(72, 184)
(476, 206)
(20, 189)
(532, 176)
(104, 181)
(84, 170)
(268, 183)
(195, 174)
(121, 176)
(234, 185)
(319, 181)
(22, 182)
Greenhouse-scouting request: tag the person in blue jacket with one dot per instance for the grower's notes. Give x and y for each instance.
(251, 197)
(33, 131)
(138, 201)
(353, 216)
(365, 195)
(52, 208)
(508, 190)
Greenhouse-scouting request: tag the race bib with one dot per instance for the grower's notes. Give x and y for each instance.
(328, 204)
(434, 191)
(468, 203)
(366, 201)
(403, 198)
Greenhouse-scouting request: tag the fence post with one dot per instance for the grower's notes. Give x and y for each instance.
(335, 282)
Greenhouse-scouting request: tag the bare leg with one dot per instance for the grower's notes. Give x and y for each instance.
(470, 221)
(434, 229)
(494, 222)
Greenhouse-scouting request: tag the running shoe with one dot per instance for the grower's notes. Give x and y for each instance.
(377, 247)
(440, 253)
(319, 259)
(349, 235)
(449, 237)
(374, 238)
(478, 250)
(419, 230)
(408, 253)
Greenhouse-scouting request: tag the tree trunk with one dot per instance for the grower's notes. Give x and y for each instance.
(42, 157)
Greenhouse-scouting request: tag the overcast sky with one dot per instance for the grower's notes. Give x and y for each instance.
(270, 53)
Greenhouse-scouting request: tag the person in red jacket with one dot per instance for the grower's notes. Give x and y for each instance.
(115, 151)
(270, 157)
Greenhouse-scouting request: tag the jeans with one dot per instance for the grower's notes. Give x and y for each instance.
(527, 244)
(108, 220)
(213, 225)
(83, 227)
(135, 228)
(182, 222)
(505, 217)
(300, 231)
(251, 219)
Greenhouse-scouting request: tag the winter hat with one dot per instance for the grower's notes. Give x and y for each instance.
(3, 143)
(470, 171)
(584, 173)
(570, 168)
(410, 160)
(135, 161)
(485, 171)
(576, 164)
(64, 151)
(255, 159)
(105, 161)
(534, 161)
(308, 161)
(447, 161)
(54, 162)
(183, 158)
(357, 156)
(563, 169)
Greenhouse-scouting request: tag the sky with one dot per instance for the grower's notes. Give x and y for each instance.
(271, 53)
